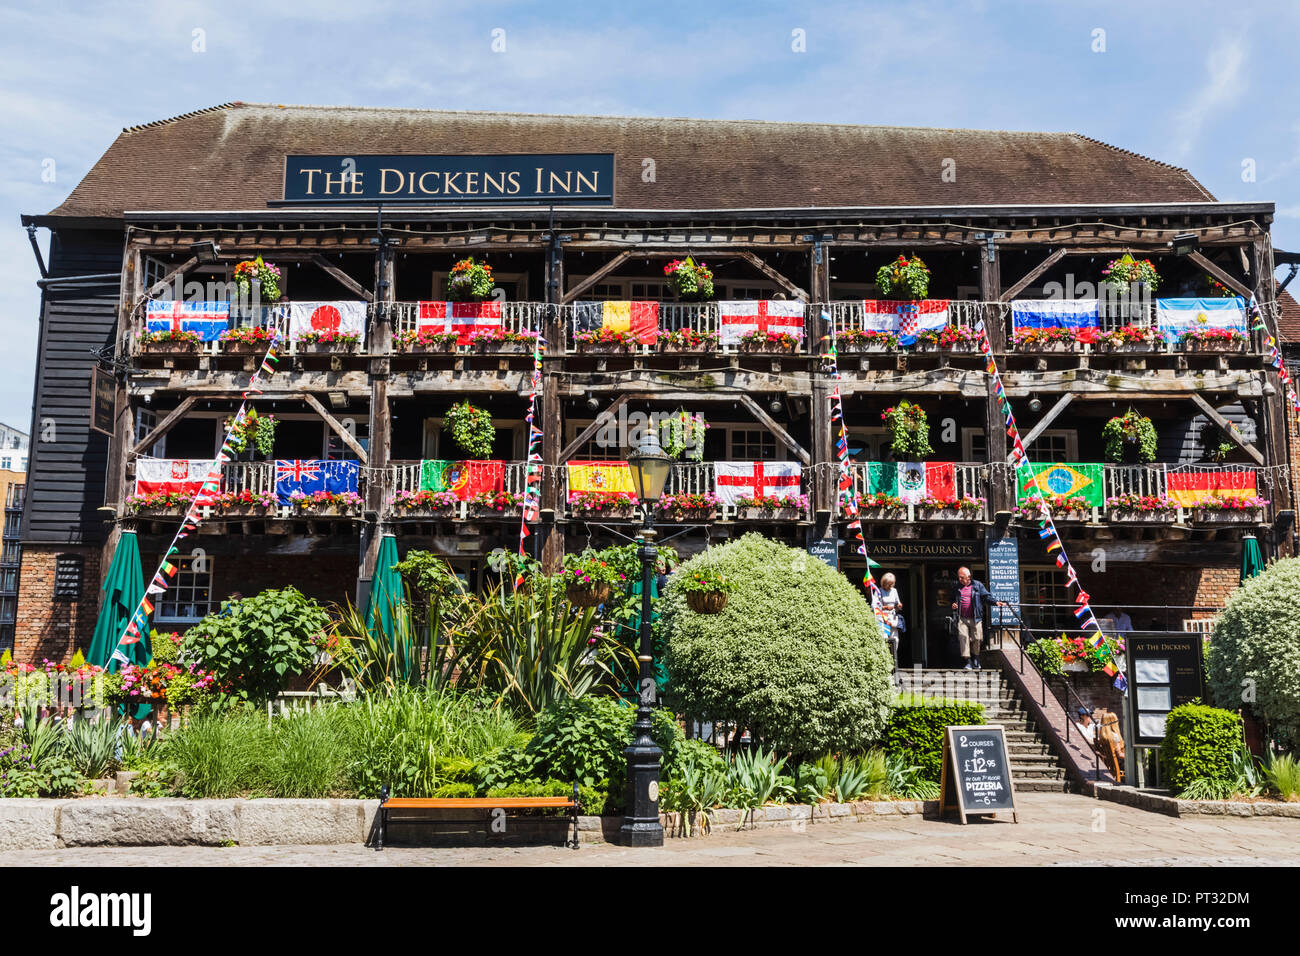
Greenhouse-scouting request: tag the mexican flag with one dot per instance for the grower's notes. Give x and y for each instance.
(1070, 481)
(912, 481)
(464, 479)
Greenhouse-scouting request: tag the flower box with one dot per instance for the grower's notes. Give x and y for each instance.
(487, 511)
(857, 348)
(170, 348)
(697, 514)
(329, 511)
(946, 514)
(883, 514)
(242, 511)
(697, 349)
(326, 348)
(424, 512)
(772, 348)
(1214, 345)
(1155, 515)
(626, 511)
(768, 514)
(518, 348)
(1057, 346)
(415, 348)
(237, 347)
(1127, 348)
(1076, 667)
(604, 348)
(1228, 515)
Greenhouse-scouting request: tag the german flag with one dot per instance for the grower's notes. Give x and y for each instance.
(639, 318)
(1189, 487)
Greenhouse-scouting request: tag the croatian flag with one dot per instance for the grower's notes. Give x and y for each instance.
(738, 318)
(1055, 313)
(311, 476)
(206, 319)
(1176, 316)
(182, 476)
(346, 318)
(754, 479)
(907, 320)
(464, 318)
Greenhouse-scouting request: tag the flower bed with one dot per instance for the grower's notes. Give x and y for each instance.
(688, 340)
(603, 504)
(503, 340)
(327, 503)
(425, 340)
(687, 507)
(951, 338)
(423, 502)
(781, 342)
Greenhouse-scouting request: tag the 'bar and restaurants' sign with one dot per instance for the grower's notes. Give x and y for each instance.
(532, 179)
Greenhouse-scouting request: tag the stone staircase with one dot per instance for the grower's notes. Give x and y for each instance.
(1033, 765)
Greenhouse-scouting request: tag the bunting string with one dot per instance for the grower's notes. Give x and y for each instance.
(138, 624)
(533, 470)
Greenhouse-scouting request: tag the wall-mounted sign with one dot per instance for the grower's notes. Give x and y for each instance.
(1164, 671)
(899, 550)
(103, 400)
(539, 179)
(1004, 579)
(826, 549)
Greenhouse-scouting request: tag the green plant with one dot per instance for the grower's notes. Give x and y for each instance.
(165, 645)
(1283, 776)
(1120, 272)
(256, 270)
(752, 777)
(697, 784)
(1254, 655)
(469, 281)
(691, 282)
(78, 661)
(1129, 430)
(705, 578)
(1199, 741)
(1243, 777)
(217, 754)
(1215, 444)
(471, 429)
(909, 431)
(904, 278)
(260, 429)
(592, 799)
(907, 781)
(256, 644)
(916, 728)
(795, 656)
(682, 433)
(91, 745)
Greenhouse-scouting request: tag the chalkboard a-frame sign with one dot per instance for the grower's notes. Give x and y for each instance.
(976, 775)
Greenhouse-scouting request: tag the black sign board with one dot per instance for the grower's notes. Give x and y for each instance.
(1004, 579)
(899, 550)
(67, 577)
(976, 775)
(561, 179)
(1164, 671)
(103, 400)
(826, 549)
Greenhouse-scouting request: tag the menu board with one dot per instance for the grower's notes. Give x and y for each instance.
(1166, 671)
(1004, 580)
(976, 776)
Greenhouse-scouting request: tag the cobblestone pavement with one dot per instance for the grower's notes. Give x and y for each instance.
(1054, 830)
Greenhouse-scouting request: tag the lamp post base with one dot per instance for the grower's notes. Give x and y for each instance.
(641, 834)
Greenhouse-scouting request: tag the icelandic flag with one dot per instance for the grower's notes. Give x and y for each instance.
(1176, 316)
(1055, 313)
(207, 319)
(311, 476)
(905, 319)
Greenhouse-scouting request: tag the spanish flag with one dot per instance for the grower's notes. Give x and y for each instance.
(639, 318)
(585, 476)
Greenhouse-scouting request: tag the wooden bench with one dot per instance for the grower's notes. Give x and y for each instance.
(431, 809)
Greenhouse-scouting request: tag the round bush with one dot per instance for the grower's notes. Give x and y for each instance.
(1255, 648)
(796, 656)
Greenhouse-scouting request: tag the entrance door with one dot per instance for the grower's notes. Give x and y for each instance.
(941, 580)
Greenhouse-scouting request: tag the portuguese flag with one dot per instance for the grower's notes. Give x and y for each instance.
(464, 479)
(1064, 480)
(1189, 487)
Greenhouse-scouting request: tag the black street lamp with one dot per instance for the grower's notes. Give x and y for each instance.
(649, 466)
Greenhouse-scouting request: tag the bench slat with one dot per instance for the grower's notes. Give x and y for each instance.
(479, 803)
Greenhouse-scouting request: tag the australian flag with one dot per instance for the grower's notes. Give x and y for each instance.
(313, 475)
(206, 319)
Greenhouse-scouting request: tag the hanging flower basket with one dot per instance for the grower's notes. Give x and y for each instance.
(588, 595)
(706, 602)
(706, 590)
(691, 282)
(469, 281)
(904, 278)
(257, 274)
(909, 430)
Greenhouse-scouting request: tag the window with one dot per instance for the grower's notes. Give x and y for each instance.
(336, 450)
(604, 290)
(1060, 444)
(751, 444)
(6, 464)
(145, 422)
(190, 596)
(749, 292)
(869, 444)
(974, 445)
(1044, 600)
(648, 290)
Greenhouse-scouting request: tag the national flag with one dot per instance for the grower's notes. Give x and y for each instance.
(464, 479)
(1121, 684)
(602, 476)
(1176, 316)
(737, 318)
(1082, 611)
(639, 318)
(882, 478)
(466, 319)
(313, 475)
(348, 318)
(1055, 313)
(117, 654)
(1187, 488)
(911, 481)
(1066, 480)
(755, 479)
(904, 319)
(183, 476)
(206, 319)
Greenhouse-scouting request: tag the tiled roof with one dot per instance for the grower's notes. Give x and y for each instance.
(1288, 319)
(231, 157)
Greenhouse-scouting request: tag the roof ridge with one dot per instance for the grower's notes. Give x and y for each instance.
(1148, 159)
(172, 119)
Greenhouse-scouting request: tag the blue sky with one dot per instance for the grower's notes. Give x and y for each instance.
(1205, 85)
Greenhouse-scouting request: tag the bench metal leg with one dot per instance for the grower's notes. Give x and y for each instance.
(383, 818)
(575, 843)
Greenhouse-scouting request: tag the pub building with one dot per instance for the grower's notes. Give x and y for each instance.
(364, 213)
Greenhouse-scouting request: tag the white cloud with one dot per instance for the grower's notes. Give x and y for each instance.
(1223, 87)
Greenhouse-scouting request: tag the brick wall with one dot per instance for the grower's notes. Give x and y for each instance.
(46, 628)
(1131, 585)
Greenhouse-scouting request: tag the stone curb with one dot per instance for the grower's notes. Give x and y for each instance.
(47, 824)
(1172, 806)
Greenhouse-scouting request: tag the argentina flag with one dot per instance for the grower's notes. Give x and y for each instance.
(1176, 316)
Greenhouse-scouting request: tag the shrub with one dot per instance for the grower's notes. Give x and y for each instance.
(796, 656)
(308, 755)
(1199, 741)
(217, 754)
(916, 726)
(593, 799)
(254, 645)
(1283, 776)
(1256, 646)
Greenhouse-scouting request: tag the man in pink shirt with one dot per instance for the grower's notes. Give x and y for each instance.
(972, 599)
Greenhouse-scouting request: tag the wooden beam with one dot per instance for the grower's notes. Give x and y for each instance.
(782, 435)
(601, 419)
(757, 262)
(349, 283)
(1043, 422)
(1227, 428)
(1032, 274)
(163, 427)
(338, 428)
(184, 267)
(596, 276)
(1219, 274)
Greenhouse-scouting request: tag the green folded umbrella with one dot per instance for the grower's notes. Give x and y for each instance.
(123, 588)
(385, 590)
(634, 627)
(1252, 559)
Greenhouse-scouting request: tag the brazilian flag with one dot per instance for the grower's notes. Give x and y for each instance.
(1063, 480)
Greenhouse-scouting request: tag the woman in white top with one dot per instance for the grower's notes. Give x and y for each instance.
(891, 607)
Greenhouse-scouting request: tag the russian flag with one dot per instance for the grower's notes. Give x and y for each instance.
(1176, 316)
(1055, 313)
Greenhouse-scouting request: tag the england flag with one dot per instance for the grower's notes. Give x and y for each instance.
(738, 318)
